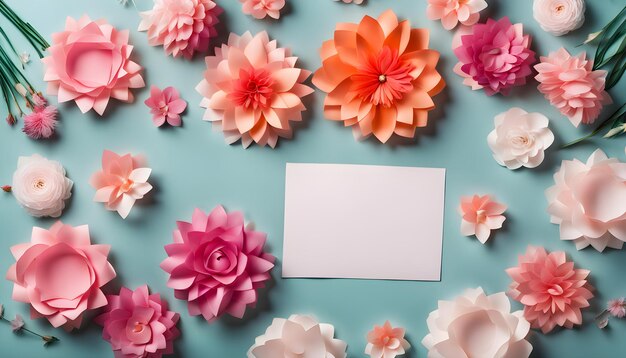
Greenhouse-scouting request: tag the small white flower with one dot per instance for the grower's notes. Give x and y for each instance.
(24, 58)
(615, 131)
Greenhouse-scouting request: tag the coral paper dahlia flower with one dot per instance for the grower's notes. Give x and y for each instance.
(380, 76)
(386, 342)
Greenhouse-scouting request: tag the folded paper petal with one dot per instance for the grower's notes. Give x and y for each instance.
(480, 215)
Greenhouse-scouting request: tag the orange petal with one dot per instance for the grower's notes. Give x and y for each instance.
(418, 98)
(370, 30)
(419, 40)
(421, 117)
(404, 130)
(388, 21)
(334, 72)
(384, 123)
(399, 37)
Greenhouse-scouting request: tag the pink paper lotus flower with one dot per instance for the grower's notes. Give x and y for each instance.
(182, 27)
(60, 274)
(588, 201)
(480, 215)
(41, 122)
(552, 291)
(617, 307)
(165, 106)
(559, 17)
(496, 56)
(89, 63)
(386, 342)
(570, 84)
(217, 264)
(451, 12)
(122, 181)
(261, 8)
(138, 324)
(252, 89)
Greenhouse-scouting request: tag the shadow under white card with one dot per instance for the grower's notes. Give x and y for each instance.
(362, 221)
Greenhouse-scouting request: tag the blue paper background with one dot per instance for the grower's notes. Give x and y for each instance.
(192, 167)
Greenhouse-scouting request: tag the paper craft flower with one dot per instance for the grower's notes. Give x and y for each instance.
(42, 121)
(89, 63)
(60, 274)
(252, 89)
(559, 17)
(217, 264)
(122, 181)
(570, 84)
(552, 291)
(298, 336)
(588, 201)
(386, 342)
(477, 325)
(451, 12)
(40, 186)
(358, 2)
(480, 215)
(259, 9)
(138, 324)
(182, 27)
(495, 56)
(520, 138)
(165, 106)
(617, 307)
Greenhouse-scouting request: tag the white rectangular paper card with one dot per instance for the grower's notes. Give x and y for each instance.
(363, 221)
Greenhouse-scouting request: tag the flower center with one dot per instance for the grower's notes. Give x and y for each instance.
(253, 89)
(555, 290)
(39, 184)
(559, 8)
(481, 216)
(128, 184)
(138, 327)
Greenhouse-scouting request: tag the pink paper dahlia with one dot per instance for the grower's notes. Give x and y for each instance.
(259, 9)
(452, 12)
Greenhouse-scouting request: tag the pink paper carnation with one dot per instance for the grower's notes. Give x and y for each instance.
(570, 84)
(217, 264)
(60, 274)
(552, 291)
(451, 12)
(182, 27)
(252, 89)
(138, 324)
(165, 105)
(89, 63)
(495, 56)
(261, 8)
(480, 215)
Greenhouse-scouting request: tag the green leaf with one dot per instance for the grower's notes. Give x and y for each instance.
(606, 40)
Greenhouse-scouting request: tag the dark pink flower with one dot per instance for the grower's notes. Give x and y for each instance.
(41, 122)
(165, 106)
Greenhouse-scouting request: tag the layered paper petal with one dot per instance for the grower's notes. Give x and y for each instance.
(259, 9)
(452, 12)
(559, 17)
(165, 106)
(386, 342)
(480, 215)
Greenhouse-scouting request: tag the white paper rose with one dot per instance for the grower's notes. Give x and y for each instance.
(40, 186)
(520, 138)
(477, 325)
(298, 336)
(559, 17)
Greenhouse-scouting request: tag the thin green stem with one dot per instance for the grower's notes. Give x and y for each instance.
(28, 330)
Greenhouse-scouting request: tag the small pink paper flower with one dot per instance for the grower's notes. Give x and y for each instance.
(165, 106)
(17, 323)
(261, 8)
(122, 181)
(217, 264)
(481, 215)
(182, 27)
(451, 12)
(571, 86)
(138, 324)
(60, 274)
(358, 2)
(41, 122)
(552, 291)
(559, 17)
(495, 56)
(89, 63)
(617, 307)
(386, 342)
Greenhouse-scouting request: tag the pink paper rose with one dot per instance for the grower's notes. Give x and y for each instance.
(89, 63)
(165, 105)
(480, 215)
(60, 274)
(559, 17)
(386, 342)
(451, 12)
(259, 9)
(217, 264)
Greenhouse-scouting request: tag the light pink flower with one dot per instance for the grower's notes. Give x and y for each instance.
(386, 342)
(588, 201)
(495, 56)
(570, 84)
(559, 17)
(480, 215)
(122, 181)
(617, 307)
(17, 323)
(165, 106)
(41, 122)
(552, 291)
(261, 8)
(182, 27)
(217, 264)
(451, 12)
(252, 89)
(60, 274)
(138, 324)
(89, 63)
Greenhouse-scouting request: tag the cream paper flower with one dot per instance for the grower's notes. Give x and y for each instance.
(559, 17)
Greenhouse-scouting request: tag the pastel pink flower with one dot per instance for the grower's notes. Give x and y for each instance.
(165, 106)
(138, 324)
(451, 12)
(41, 122)
(217, 264)
(252, 90)
(261, 8)
(60, 274)
(122, 181)
(182, 27)
(552, 291)
(386, 342)
(617, 307)
(17, 323)
(89, 63)
(358, 2)
(570, 84)
(480, 215)
(495, 56)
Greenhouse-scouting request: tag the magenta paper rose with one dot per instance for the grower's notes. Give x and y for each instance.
(60, 274)
(138, 324)
(217, 264)
(89, 63)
